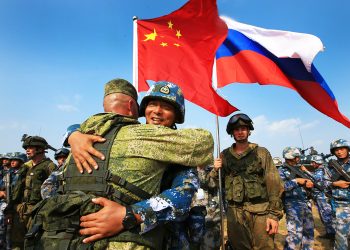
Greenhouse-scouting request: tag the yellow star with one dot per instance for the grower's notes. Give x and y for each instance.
(151, 36)
(170, 25)
(177, 45)
(164, 44)
(178, 34)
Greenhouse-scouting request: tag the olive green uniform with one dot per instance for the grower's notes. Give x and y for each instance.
(141, 153)
(26, 194)
(253, 191)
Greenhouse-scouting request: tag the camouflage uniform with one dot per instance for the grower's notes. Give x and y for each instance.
(3, 204)
(297, 205)
(246, 216)
(341, 198)
(211, 239)
(323, 202)
(27, 198)
(50, 186)
(141, 153)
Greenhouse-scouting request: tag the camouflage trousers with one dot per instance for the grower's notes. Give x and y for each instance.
(300, 226)
(2, 225)
(342, 226)
(247, 231)
(211, 240)
(325, 212)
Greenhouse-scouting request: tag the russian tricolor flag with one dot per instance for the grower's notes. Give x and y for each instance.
(272, 57)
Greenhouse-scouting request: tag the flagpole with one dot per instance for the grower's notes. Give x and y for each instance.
(218, 150)
(135, 55)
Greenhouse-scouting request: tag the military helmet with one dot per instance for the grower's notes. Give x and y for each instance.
(72, 128)
(19, 156)
(289, 153)
(239, 120)
(168, 92)
(277, 161)
(34, 141)
(6, 156)
(61, 152)
(317, 158)
(340, 143)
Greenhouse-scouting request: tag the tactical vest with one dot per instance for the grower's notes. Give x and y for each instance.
(244, 178)
(57, 219)
(35, 177)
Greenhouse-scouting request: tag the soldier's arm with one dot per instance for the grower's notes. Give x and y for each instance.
(274, 186)
(288, 184)
(172, 204)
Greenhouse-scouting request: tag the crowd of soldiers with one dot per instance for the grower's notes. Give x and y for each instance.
(119, 184)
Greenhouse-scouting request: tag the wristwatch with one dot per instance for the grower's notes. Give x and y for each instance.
(129, 220)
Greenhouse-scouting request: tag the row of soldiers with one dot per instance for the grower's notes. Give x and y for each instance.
(11, 235)
(132, 213)
(326, 183)
(15, 199)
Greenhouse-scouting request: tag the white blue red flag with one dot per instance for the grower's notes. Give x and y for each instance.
(273, 57)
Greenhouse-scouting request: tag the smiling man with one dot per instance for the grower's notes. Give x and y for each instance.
(252, 188)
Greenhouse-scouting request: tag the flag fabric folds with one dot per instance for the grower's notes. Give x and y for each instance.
(271, 57)
(180, 47)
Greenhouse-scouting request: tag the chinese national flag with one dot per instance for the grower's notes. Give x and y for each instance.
(180, 47)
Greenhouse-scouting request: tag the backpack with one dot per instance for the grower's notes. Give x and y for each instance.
(56, 219)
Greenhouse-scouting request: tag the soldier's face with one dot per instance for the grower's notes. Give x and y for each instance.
(158, 112)
(315, 165)
(6, 162)
(61, 160)
(341, 153)
(32, 151)
(241, 133)
(15, 163)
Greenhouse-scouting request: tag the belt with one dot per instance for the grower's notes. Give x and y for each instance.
(252, 201)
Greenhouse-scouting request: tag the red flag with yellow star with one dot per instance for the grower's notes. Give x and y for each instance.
(180, 47)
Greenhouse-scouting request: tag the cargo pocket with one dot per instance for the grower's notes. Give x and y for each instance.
(253, 189)
(237, 189)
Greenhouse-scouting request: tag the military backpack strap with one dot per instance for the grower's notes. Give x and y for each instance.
(98, 182)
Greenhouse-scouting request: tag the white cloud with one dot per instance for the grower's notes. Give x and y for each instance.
(70, 103)
(290, 126)
(67, 108)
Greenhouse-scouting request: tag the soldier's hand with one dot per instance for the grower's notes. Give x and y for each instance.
(309, 184)
(82, 150)
(271, 226)
(341, 184)
(217, 163)
(303, 168)
(104, 223)
(2, 194)
(301, 181)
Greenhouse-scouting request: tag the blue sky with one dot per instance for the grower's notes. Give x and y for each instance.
(56, 57)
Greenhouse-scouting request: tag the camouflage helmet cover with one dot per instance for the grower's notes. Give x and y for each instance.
(289, 153)
(19, 156)
(120, 86)
(317, 158)
(6, 156)
(340, 143)
(61, 152)
(34, 141)
(277, 161)
(168, 92)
